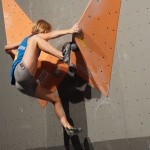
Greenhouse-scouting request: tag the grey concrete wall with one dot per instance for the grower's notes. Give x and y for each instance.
(117, 122)
(133, 53)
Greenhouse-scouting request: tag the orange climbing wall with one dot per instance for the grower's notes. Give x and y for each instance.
(99, 25)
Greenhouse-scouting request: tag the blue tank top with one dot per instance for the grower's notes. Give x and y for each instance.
(18, 58)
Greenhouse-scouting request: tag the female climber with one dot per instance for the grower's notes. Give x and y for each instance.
(25, 65)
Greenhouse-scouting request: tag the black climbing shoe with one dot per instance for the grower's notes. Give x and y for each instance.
(66, 52)
(74, 47)
(73, 131)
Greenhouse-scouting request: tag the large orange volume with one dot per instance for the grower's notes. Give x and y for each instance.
(94, 61)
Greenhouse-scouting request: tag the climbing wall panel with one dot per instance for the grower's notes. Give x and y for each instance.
(99, 25)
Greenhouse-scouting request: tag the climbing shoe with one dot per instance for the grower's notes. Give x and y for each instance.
(66, 52)
(73, 131)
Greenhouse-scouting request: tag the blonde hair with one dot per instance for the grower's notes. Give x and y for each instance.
(41, 26)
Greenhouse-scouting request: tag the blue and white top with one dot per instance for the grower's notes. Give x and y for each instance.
(18, 58)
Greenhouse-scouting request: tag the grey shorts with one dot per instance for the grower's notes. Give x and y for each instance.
(25, 83)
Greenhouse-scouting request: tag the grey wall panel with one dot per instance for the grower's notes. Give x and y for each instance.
(133, 51)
